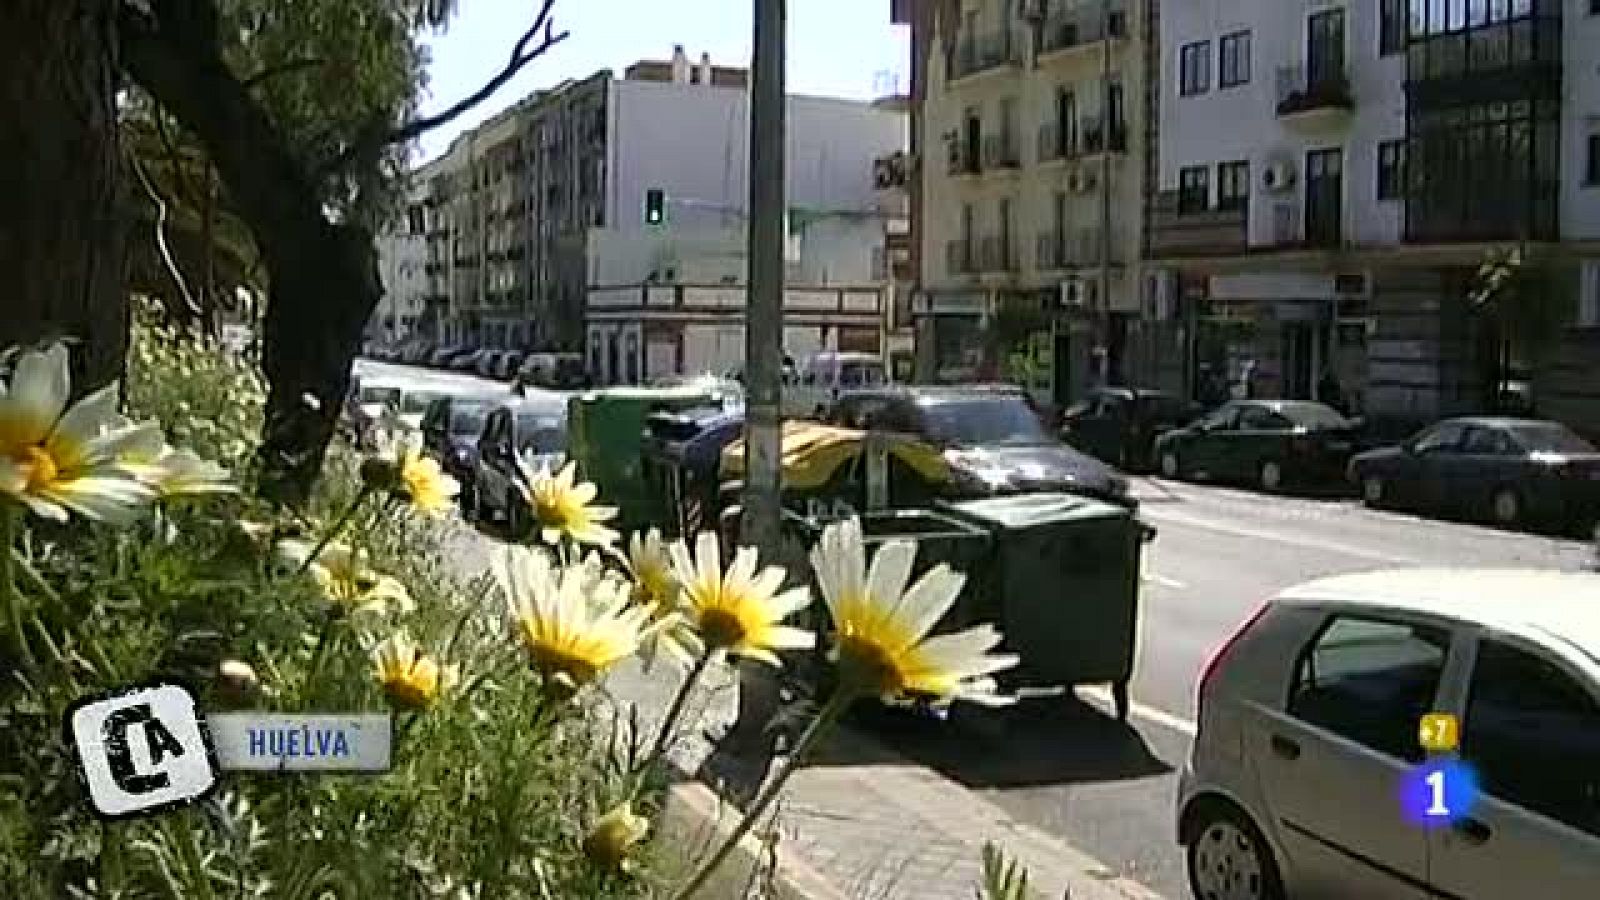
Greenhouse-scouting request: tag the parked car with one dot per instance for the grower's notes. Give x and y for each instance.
(824, 377)
(1508, 471)
(1309, 718)
(1270, 443)
(990, 435)
(530, 431)
(507, 366)
(414, 404)
(1120, 424)
(467, 360)
(560, 371)
(450, 430)
(485, 364)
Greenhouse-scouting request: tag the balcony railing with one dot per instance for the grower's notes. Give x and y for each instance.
(1056, 142)
(963, 158)
(1000, 152)
(997, 253)
(1081, 24)
(1493, 62)
(1094, 136)
(976, 53)
(1052, 251)
(1220, 232)
(1077, 248)
(958, 257)
(1299, 93)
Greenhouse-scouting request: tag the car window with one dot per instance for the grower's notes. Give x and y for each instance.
(860, 374)
(899, 418)
(1487, 442)
(1370, 681)
(1533, 734)
(1444, 437)
(1549, 437)
(982, 420)
(1220, 419)
(467, 419)
(493, 428)
(1259, 418)
(415, 402)
(1110, 406)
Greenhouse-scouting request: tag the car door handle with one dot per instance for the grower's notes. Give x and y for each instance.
(1285, 748)
(1472, 830)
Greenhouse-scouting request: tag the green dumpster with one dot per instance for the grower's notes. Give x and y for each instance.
(1064, 574)
(940, 538)
(606, 437)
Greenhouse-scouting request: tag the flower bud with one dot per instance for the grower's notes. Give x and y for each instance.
(615, 833)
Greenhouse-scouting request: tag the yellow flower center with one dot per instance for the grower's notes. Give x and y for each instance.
(552, 512)
(552, 660)
(410, 691)
(867, 666)
(41, 468)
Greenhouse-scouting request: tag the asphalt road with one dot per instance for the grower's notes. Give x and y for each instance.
(1063, 764)
(1069, 769)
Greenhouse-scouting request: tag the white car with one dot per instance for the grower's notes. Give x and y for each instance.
(1310, 715)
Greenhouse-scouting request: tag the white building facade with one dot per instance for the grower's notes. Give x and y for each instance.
(667, 297)
(1331, 176)
(403, 266)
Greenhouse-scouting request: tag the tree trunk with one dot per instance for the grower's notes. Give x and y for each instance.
(61, 238)
(323, 275)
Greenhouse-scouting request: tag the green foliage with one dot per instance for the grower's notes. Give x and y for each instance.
(491, 792)
(1003, 877)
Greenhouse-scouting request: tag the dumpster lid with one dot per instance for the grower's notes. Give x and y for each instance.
(811, 453)
(1021, 511)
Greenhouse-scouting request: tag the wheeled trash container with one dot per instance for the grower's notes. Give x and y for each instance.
(1063, 574)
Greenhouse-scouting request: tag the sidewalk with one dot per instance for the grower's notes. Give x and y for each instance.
(872, 824)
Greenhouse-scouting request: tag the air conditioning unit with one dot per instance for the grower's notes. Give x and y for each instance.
(1161, 295)
(1077, 293)
(1278, 176)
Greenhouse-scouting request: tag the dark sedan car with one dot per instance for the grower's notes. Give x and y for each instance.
(1120, 424)
(450, 429)
(533, 432)
(1272, 444)
(1508, 471)
(992, 440)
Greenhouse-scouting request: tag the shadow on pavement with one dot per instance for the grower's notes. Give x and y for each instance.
(1041, 741)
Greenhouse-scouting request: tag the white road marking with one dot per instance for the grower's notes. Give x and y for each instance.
(1160, 515)
(1164, 581)
(1102, 697)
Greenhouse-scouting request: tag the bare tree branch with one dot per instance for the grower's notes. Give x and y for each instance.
(161, 236)
(293, 65)
(525, 51)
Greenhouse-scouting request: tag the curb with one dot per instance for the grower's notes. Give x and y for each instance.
(696, 820)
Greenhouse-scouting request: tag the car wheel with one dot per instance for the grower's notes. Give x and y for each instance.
(1505, 507)
(1270, 476)
(1374, 493)
(1229, 860)
(1170, 466)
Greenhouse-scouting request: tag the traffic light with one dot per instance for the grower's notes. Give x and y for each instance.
(655, 207)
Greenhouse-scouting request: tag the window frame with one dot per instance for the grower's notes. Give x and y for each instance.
(1391, 170)
(1443, 632)
(1194, 68)
(1240, 74)
(1393, 27)
(1591, 156)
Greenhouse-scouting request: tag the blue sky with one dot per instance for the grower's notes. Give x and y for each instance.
(845, 48)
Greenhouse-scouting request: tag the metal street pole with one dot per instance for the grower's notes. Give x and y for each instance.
(1105, 191)
(759, 696)
(763, 343)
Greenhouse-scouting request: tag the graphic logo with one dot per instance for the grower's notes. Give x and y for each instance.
(1439, 733)
(141, 751)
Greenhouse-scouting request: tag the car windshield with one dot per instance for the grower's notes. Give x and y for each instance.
(416, 402)
(376, 394)
(541, 434)
(1313, 415)
(467, 419)
(983, 420)
(1550, 437)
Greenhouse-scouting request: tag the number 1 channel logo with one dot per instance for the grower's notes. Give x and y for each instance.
(1444, 788)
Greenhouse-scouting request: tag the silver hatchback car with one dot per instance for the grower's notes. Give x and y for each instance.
(1309, 718)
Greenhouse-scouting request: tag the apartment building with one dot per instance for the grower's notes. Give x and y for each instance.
(1029, 202)
(1332, 176)
(402, 267)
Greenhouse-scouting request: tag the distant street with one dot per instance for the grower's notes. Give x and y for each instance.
(1068, 768)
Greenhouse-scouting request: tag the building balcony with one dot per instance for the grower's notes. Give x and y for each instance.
(1000, 153)
(1057, 144)
(1094, 136)
(959, 258)
(1074, 248)
(975, 54)
(1498, 62)
(1209, 232)
(1323, 98)
(1318, 227)
(997, 253)
(1081, 27)
(963, 158)
(1510, 209)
